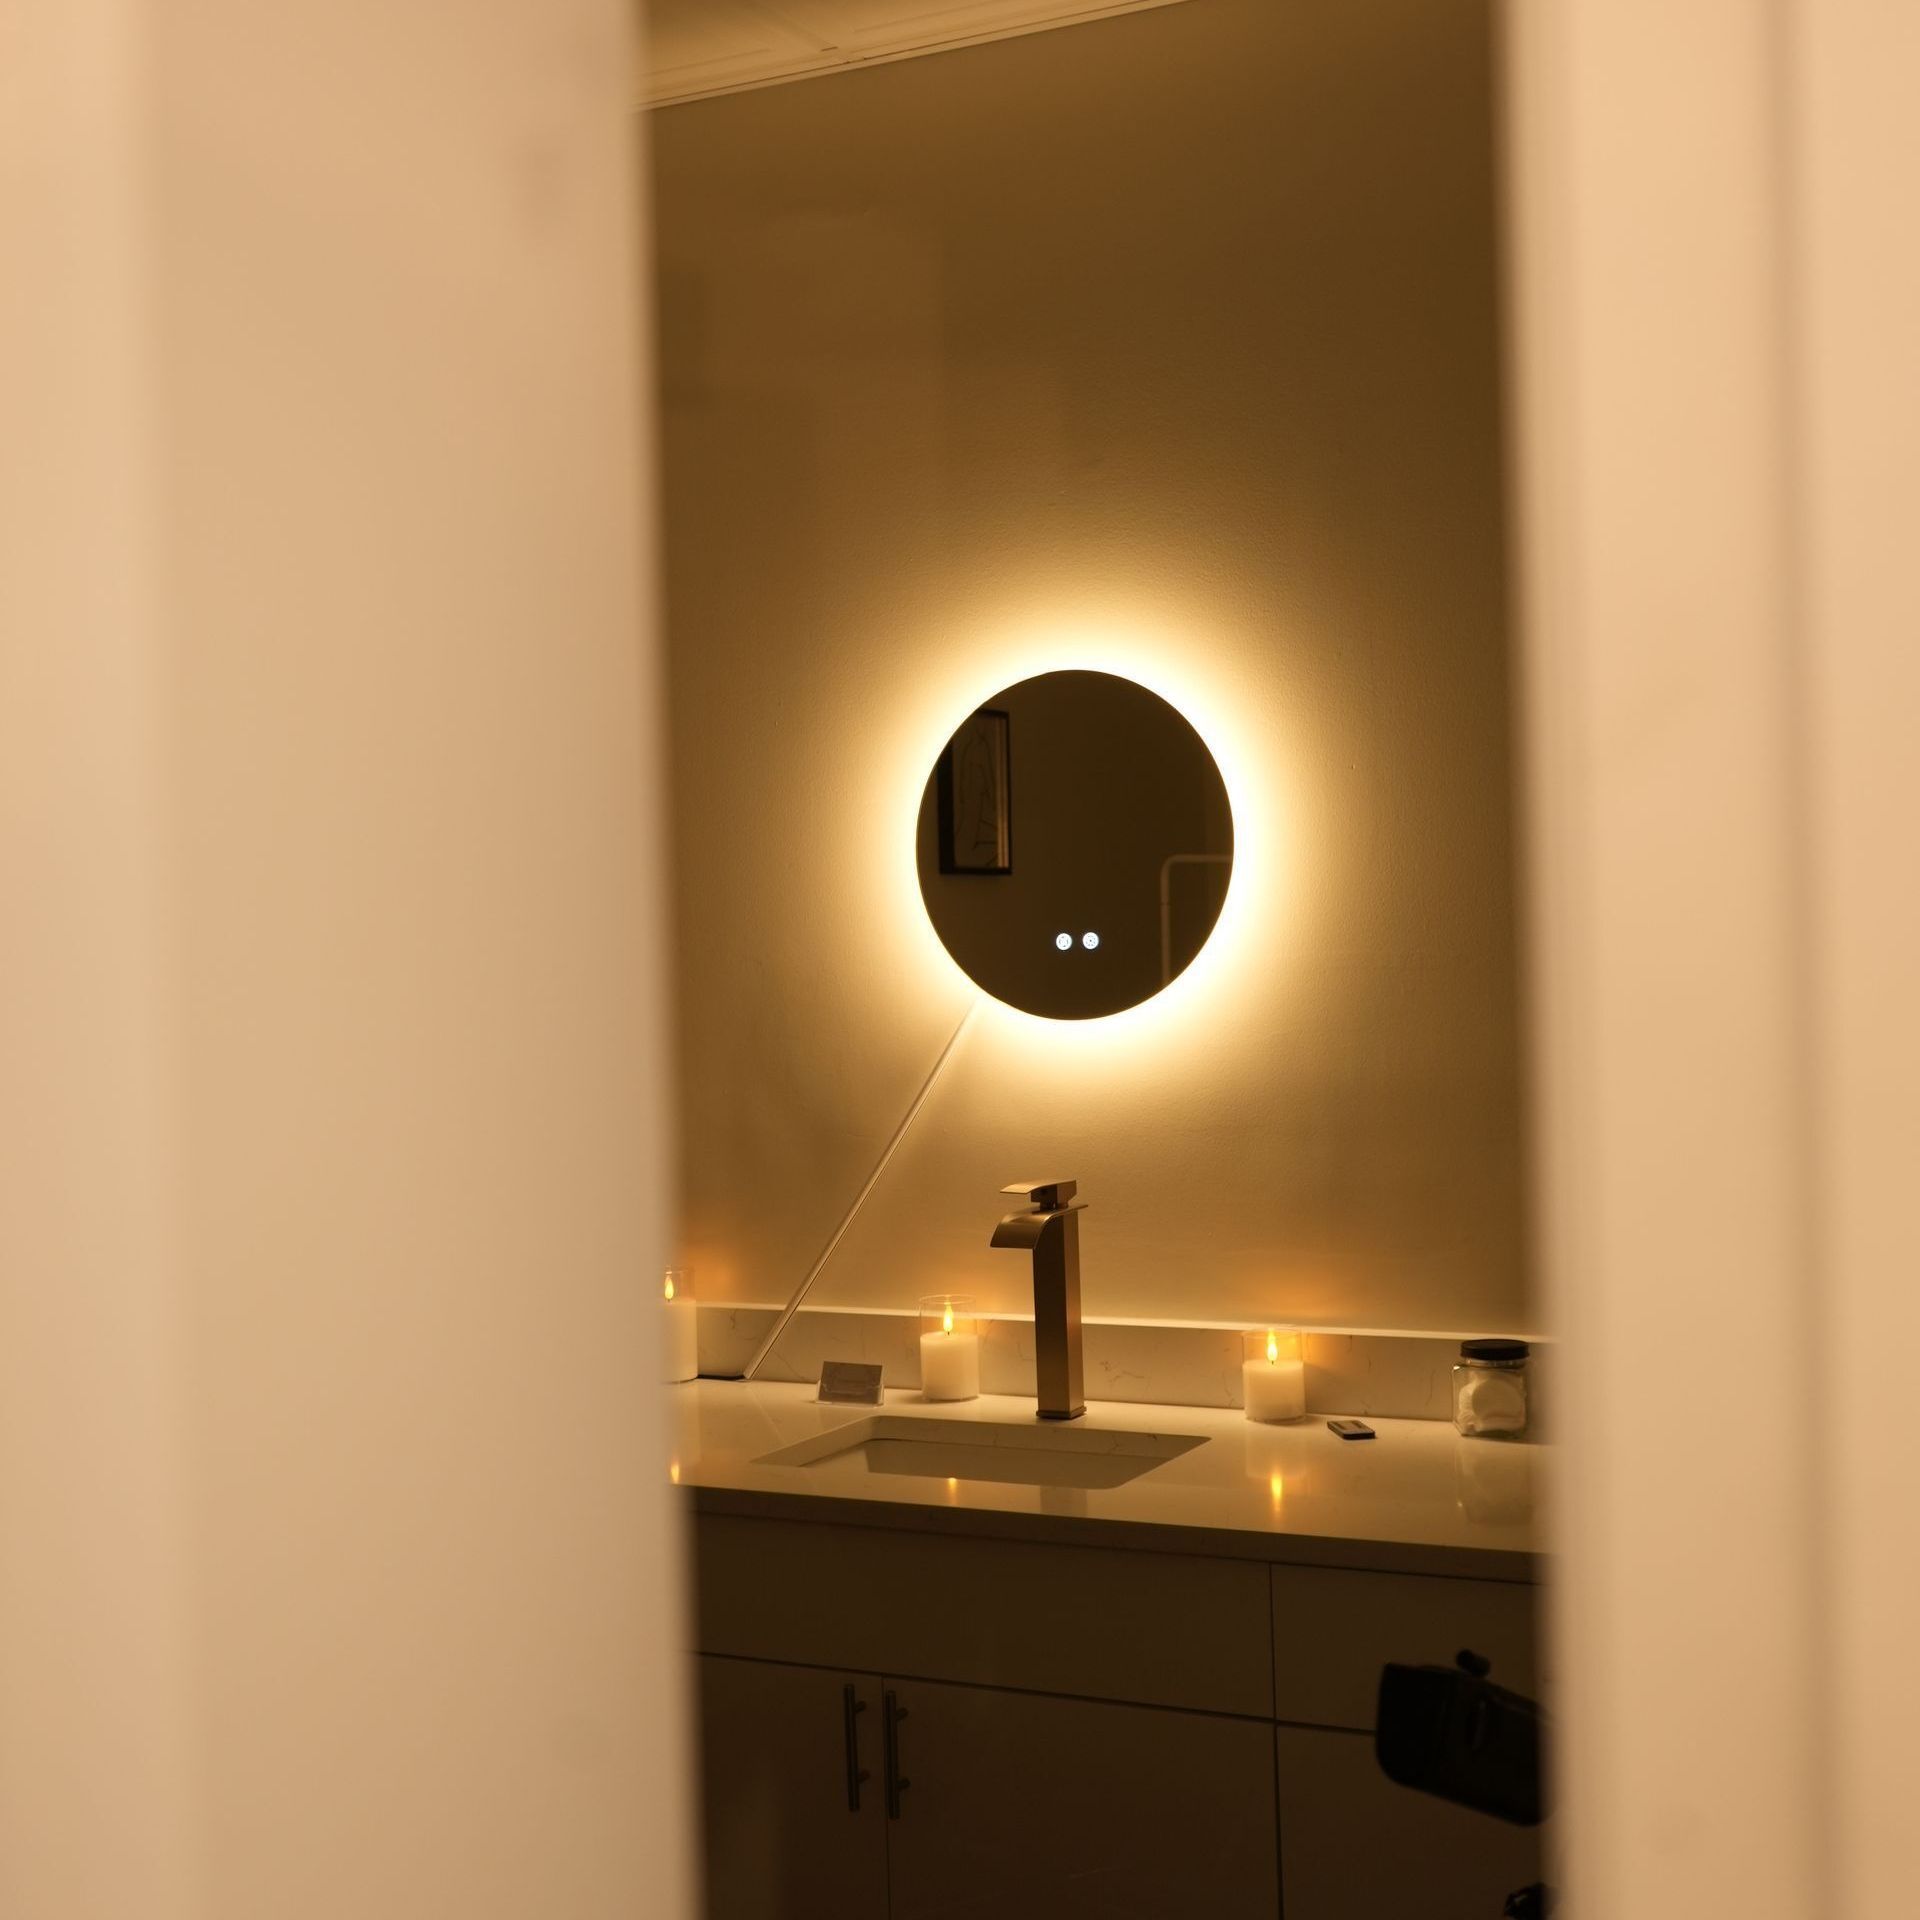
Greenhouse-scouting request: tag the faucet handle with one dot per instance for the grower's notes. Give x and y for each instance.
(1044, 1196)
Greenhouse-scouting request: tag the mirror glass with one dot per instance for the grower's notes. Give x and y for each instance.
(1075, 844)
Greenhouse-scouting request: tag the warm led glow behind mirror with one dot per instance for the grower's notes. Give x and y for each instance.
(1075, 844)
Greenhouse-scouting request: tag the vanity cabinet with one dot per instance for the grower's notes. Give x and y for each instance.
(791, 1783)
(1334, 1628)
(1078, 1810)
(1162, 1629)
(989, 1803)
(1353, 1846)
(1088, 1732)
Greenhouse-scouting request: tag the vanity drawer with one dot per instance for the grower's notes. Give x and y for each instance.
(1157, 1629)
(1334, 1630)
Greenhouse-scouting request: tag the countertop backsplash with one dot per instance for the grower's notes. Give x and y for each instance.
(1395, 1375)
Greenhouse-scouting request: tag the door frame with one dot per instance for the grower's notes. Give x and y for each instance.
(1715, 433)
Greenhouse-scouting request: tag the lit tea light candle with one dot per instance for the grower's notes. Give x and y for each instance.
(1273, 1377)
(680, 1337)
(949, 1349)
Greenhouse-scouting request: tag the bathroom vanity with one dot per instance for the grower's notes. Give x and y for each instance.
(1136, 1676)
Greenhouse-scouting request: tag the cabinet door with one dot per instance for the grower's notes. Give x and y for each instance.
(791, 1832)
(1027, 1805)
(1353, 1846)
(1334, 1630)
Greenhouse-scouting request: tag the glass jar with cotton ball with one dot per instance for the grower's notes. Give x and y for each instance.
(1490, 1389)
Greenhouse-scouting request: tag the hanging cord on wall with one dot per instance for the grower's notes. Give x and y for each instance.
(847, 1219)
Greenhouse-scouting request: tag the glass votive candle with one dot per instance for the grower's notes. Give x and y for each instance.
(1273, 1374)
(680, 1326)
(949, 1348)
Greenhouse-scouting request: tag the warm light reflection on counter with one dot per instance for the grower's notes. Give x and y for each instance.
(673, 1471)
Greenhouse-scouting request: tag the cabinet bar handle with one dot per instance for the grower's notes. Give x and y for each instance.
(891, 1715)
(851, 1708)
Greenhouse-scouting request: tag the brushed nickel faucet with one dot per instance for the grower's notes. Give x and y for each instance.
(1050, 1229)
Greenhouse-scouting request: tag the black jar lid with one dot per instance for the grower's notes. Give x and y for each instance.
(1494, 1353)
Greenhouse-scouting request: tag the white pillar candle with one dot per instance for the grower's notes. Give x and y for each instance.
(680, 1335)
(950, 1365)
(1273, 1386)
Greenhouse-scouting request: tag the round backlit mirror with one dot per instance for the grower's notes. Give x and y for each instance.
(1075, 845)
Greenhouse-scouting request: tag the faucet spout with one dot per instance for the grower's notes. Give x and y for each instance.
(1020, 1230)
(1049, 1228)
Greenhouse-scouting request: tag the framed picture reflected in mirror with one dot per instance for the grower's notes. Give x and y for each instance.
(974, 790)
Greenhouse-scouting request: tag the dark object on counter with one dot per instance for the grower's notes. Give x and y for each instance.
(850, 1383)
(1451, 1732)
(1350, 1429)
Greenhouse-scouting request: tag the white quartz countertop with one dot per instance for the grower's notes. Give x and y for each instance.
(1416, 1499)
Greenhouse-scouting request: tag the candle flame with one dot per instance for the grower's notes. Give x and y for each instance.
(1274, 1487)
(946, 1324)
(669, 1286)
(1273, 1349)
(673, 1471)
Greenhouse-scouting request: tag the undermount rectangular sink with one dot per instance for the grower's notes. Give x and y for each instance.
(1025, 1456)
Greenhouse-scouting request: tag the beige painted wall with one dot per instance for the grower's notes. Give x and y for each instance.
(336, 1571)
(1167, 345)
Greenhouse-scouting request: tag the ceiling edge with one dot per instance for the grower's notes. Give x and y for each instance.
(827, 68)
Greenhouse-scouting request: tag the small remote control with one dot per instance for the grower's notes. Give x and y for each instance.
(1351, 1429)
